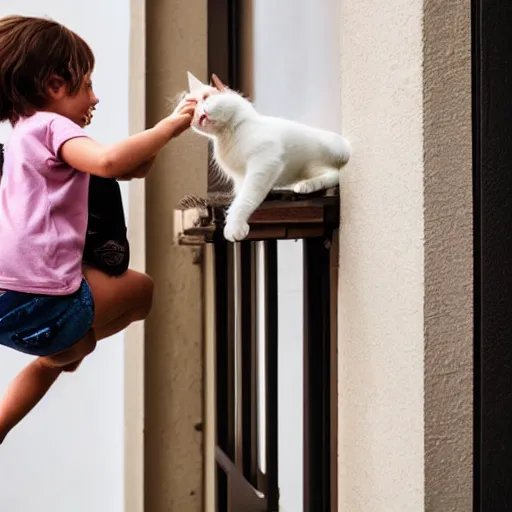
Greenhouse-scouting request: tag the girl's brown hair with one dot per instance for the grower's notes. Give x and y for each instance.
(31, 51)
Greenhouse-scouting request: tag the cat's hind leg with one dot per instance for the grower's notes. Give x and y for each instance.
(322, 181)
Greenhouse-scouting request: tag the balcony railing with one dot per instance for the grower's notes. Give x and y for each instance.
(245, 284)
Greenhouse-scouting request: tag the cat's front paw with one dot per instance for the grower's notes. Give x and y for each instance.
(236, 231)
(303, 187)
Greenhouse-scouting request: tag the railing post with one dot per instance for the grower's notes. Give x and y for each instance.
(271, 367)
(225, 370)
(249, 361)
(317, 380)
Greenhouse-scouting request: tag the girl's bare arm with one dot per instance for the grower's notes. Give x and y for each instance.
(129, 155)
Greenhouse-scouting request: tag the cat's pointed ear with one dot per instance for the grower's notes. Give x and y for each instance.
(194, 84)
(217, 83)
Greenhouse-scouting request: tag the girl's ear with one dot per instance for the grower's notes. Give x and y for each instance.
(56, 87)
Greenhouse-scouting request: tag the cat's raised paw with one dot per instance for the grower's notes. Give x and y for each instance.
(236, 231)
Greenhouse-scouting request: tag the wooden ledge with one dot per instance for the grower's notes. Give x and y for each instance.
(284, 215)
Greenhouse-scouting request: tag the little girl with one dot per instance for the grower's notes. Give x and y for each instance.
(51, 305)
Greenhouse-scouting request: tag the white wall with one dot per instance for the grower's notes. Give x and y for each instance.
(296, 75)
(68, 455)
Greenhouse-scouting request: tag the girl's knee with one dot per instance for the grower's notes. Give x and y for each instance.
(72, 367)
(146, 289)
(84, 347)
(114, 297)
(69, 359)
(147, 292)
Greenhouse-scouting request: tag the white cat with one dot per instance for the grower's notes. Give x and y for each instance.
(260, 153)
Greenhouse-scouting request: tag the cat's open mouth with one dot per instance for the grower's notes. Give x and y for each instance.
(203, 118)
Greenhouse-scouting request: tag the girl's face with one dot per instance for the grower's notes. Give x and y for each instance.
(79, 106)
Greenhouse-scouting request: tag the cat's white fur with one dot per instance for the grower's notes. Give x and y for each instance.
(260, 153)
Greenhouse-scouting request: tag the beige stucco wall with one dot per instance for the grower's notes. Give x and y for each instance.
(381, 456)
(176, 42)
(448, 256)
(405, 318)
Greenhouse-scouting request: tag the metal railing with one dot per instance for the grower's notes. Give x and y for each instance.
(246, 323)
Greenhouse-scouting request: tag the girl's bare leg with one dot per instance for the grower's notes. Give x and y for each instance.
(118, 302)
(33, 382)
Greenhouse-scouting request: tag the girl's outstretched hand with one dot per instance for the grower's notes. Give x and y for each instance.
(182, 115)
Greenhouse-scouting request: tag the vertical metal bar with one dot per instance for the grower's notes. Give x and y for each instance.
(271, 328)
(223, 57)
(219, 54)
(261, 366)
(477, 104)
(249, 361)
(224, 334)
(238, 364)
(230, 355)
(224, 40)
(222, 490)
(221, 330)
(234, 24)
(333, 285)
(317, 381)
(210, 494)
(223, 49)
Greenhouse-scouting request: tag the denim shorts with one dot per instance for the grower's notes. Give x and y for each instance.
(42, 325)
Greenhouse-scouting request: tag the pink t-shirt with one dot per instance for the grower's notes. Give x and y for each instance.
(43, 209)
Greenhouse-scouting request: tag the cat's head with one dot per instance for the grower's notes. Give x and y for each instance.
(218, 107)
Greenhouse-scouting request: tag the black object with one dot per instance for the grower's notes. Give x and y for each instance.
(106, 245)
(492, 163)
